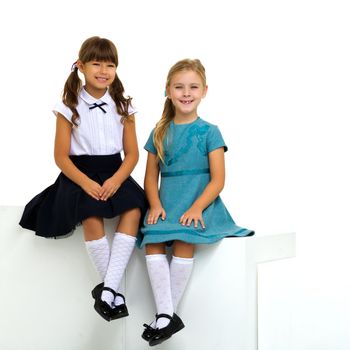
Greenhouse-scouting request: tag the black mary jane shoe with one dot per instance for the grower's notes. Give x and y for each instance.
(148, 332)
(162, 334)
(119, 311)
(104, 309)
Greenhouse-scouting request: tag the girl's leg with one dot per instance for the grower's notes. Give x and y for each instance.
(180, 269)
(97, 244)
(122, 246)
(159, 275)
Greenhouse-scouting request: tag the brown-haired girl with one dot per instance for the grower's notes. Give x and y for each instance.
(94, 123)
(188, 153)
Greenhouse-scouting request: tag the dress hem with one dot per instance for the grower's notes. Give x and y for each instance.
(192, 238)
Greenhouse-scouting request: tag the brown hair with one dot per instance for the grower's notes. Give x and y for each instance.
(169, 109)
(95, 49)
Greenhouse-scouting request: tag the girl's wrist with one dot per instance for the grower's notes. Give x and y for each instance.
(116, 180)
(197, 206)
(155, 204)
(84, 180)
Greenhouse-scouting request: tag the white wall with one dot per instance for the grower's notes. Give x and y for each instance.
(278, 75)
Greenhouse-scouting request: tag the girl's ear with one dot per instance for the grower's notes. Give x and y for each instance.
(167, 92)
(80, 66)
(205, 91)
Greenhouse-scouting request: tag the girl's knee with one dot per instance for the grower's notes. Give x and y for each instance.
(93, 228)
(183, 250)
(155, 248)
(132, 214)
(129, 222)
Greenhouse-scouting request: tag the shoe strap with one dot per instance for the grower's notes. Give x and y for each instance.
(110, 290)
(163, 315)
(120, 295)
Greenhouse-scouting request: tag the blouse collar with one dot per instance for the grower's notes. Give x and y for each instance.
(84, 95)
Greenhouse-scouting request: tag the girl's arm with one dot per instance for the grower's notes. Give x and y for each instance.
(212, 190)
(151, 189)
(62, 148)
(131, 158)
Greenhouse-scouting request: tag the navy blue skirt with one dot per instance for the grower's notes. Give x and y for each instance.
(58, 209)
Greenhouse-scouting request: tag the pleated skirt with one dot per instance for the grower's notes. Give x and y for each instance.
(61, 207)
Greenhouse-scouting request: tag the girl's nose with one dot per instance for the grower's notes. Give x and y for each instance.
(103, 68)
(187, 92)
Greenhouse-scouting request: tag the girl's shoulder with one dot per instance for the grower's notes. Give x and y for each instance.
(207, 125)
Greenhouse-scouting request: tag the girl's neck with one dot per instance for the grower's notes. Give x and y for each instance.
(185, 119)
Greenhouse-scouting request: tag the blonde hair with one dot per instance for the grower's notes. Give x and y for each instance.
(168, 114)
(99, 49)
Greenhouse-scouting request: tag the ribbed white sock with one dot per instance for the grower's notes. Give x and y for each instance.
(122, 247)
(159, 275)
(180, 272)
(99, 251)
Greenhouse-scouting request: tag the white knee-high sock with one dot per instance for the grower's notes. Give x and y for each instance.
(159, 275)
(122, 247)
(99, 251)
(180, 272)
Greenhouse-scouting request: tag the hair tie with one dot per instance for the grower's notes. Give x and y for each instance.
(74, 66)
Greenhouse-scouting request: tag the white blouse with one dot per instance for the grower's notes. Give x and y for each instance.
(98, 132)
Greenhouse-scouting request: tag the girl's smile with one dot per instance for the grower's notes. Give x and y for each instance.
(186, 102)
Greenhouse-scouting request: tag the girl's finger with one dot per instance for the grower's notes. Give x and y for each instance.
(149, 219)
(163, 215)
(94, 196)
(202, 222)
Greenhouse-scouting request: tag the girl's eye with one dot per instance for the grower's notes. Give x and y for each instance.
(95, 64)
(194, 87)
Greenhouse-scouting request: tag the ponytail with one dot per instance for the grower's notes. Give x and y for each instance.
(162, 127)
(116, 90)
(71, 92)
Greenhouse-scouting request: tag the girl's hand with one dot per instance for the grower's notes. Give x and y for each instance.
(154, 214)
(108, 189)
(92, 188)
(192, 214)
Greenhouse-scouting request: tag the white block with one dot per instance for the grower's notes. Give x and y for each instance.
(45, 299)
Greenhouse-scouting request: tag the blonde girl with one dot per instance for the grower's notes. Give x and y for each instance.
(188, 154)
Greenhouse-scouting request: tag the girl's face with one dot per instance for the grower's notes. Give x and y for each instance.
(98, 76)
(186, 91)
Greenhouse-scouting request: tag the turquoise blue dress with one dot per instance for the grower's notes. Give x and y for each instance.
(184, 176)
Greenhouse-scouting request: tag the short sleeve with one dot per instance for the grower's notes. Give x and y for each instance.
(61, 108)
(215, 140)
(149, 146)
(131, 110)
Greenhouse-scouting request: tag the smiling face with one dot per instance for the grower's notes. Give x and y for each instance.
(186, 90)
(98, 76)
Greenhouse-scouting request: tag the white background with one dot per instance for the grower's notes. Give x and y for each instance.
(279, 82)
